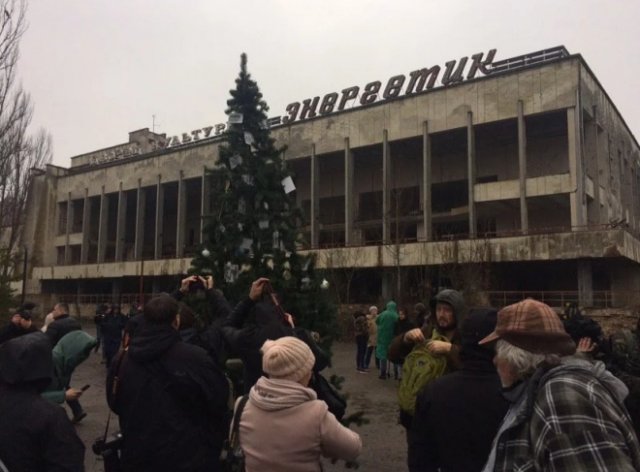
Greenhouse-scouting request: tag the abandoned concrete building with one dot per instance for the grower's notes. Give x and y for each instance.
(524, 181)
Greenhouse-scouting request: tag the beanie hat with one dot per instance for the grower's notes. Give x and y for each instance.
(533, 326)
(479, 323)
(287, 358)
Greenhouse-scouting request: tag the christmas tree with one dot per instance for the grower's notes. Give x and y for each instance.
(253, 228)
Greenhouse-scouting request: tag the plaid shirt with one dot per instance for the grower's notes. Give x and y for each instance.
(569, 418)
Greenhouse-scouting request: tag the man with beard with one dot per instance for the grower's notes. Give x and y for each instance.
(441, 340)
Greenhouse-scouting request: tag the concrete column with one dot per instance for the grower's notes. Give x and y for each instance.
(67, 250)
(120, 223)
(141, 203)
(387, 286)
(159, 218)
(86, 217)
(596, 172)
(315, 200)
(522, 168)
(348, 194)
(585, 283)
(205, 208)
(181, 217)
(426, 183)
(386, 189)
(102, 226)
(576, 169)
(471, 173)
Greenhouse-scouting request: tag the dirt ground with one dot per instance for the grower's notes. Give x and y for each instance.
(384, 445)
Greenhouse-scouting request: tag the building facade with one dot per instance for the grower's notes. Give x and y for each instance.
(522, 181)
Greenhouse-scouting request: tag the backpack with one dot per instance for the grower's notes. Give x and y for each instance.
(420, 367)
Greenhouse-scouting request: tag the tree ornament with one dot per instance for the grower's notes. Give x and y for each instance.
(324, 285)
(205, 253)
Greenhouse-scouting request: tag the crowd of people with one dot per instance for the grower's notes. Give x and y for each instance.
(478, 389)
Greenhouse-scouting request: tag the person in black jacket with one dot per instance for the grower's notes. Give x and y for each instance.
(111, 327)
(19, 325)
(251, 323)
(62, 323)
(458, 415)
(35, 434)
(171, 398)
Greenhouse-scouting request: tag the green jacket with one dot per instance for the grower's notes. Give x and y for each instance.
(386, 322)
(71, 351)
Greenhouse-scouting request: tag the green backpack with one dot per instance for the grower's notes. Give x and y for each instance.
(420, 367)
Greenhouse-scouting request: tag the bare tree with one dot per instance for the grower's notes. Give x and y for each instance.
(20, 151)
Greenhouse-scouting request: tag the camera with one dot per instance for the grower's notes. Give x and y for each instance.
(109, 446)
(196, 286)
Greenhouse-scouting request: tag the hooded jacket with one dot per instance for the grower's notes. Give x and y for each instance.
(171, 400)
(399, 349)
(386, 322)
(576, 415)
(71, 351)
(284, 428)
(61, 326)
(457, 415)
(35, 435)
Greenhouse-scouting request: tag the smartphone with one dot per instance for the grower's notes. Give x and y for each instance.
(85, 387)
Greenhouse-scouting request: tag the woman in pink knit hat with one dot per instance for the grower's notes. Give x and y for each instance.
(284, 427)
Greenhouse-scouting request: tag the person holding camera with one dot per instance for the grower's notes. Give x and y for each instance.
(170, 397)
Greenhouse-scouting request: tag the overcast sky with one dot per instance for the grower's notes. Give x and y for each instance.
(97, 69)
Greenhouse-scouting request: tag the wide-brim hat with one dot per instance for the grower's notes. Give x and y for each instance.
(533, 326)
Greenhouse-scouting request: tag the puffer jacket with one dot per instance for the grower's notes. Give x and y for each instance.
(284, 428)
(576, 416)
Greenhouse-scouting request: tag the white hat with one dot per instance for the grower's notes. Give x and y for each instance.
(287, 358)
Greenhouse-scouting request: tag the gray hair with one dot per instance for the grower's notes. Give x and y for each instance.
(523, 362)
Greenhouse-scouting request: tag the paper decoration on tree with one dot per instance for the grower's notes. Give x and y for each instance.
(248, 138)
(268, 261)
(248, 179)
(246, 244)
(235, 161)
(324, 285)
(222, 229)
(305, 283)
(240, 227)
(286, 275)
(242, 206)
(288, 185)
(205, 252)
(231, 272)
(235, 118)
(306, 265)
(245, 268)
(268, 161)
(266, 206)
(263, 224)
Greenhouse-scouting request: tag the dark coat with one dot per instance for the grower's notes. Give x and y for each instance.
(458, 415)
(11, 331)
(60, 326)
(172, 402)
(35, 434)
(244, 340)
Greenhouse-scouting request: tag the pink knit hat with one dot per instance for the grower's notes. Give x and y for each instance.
(287, 358)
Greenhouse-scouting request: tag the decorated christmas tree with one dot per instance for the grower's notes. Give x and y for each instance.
(253, 228)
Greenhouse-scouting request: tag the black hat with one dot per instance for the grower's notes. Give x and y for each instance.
(24, 314)
(479, 323)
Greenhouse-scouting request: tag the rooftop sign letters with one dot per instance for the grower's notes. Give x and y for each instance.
(420, 80)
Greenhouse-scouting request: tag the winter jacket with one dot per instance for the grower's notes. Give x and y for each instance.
(171, 400)
(60, 326)
(284, 428)
(456, 418)
(360, 326)
(244, 340)
(399, 349)
(71, 351)
(386, 322)
(35, 435)
(373, 331)
(11, 331)
(566, 418)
